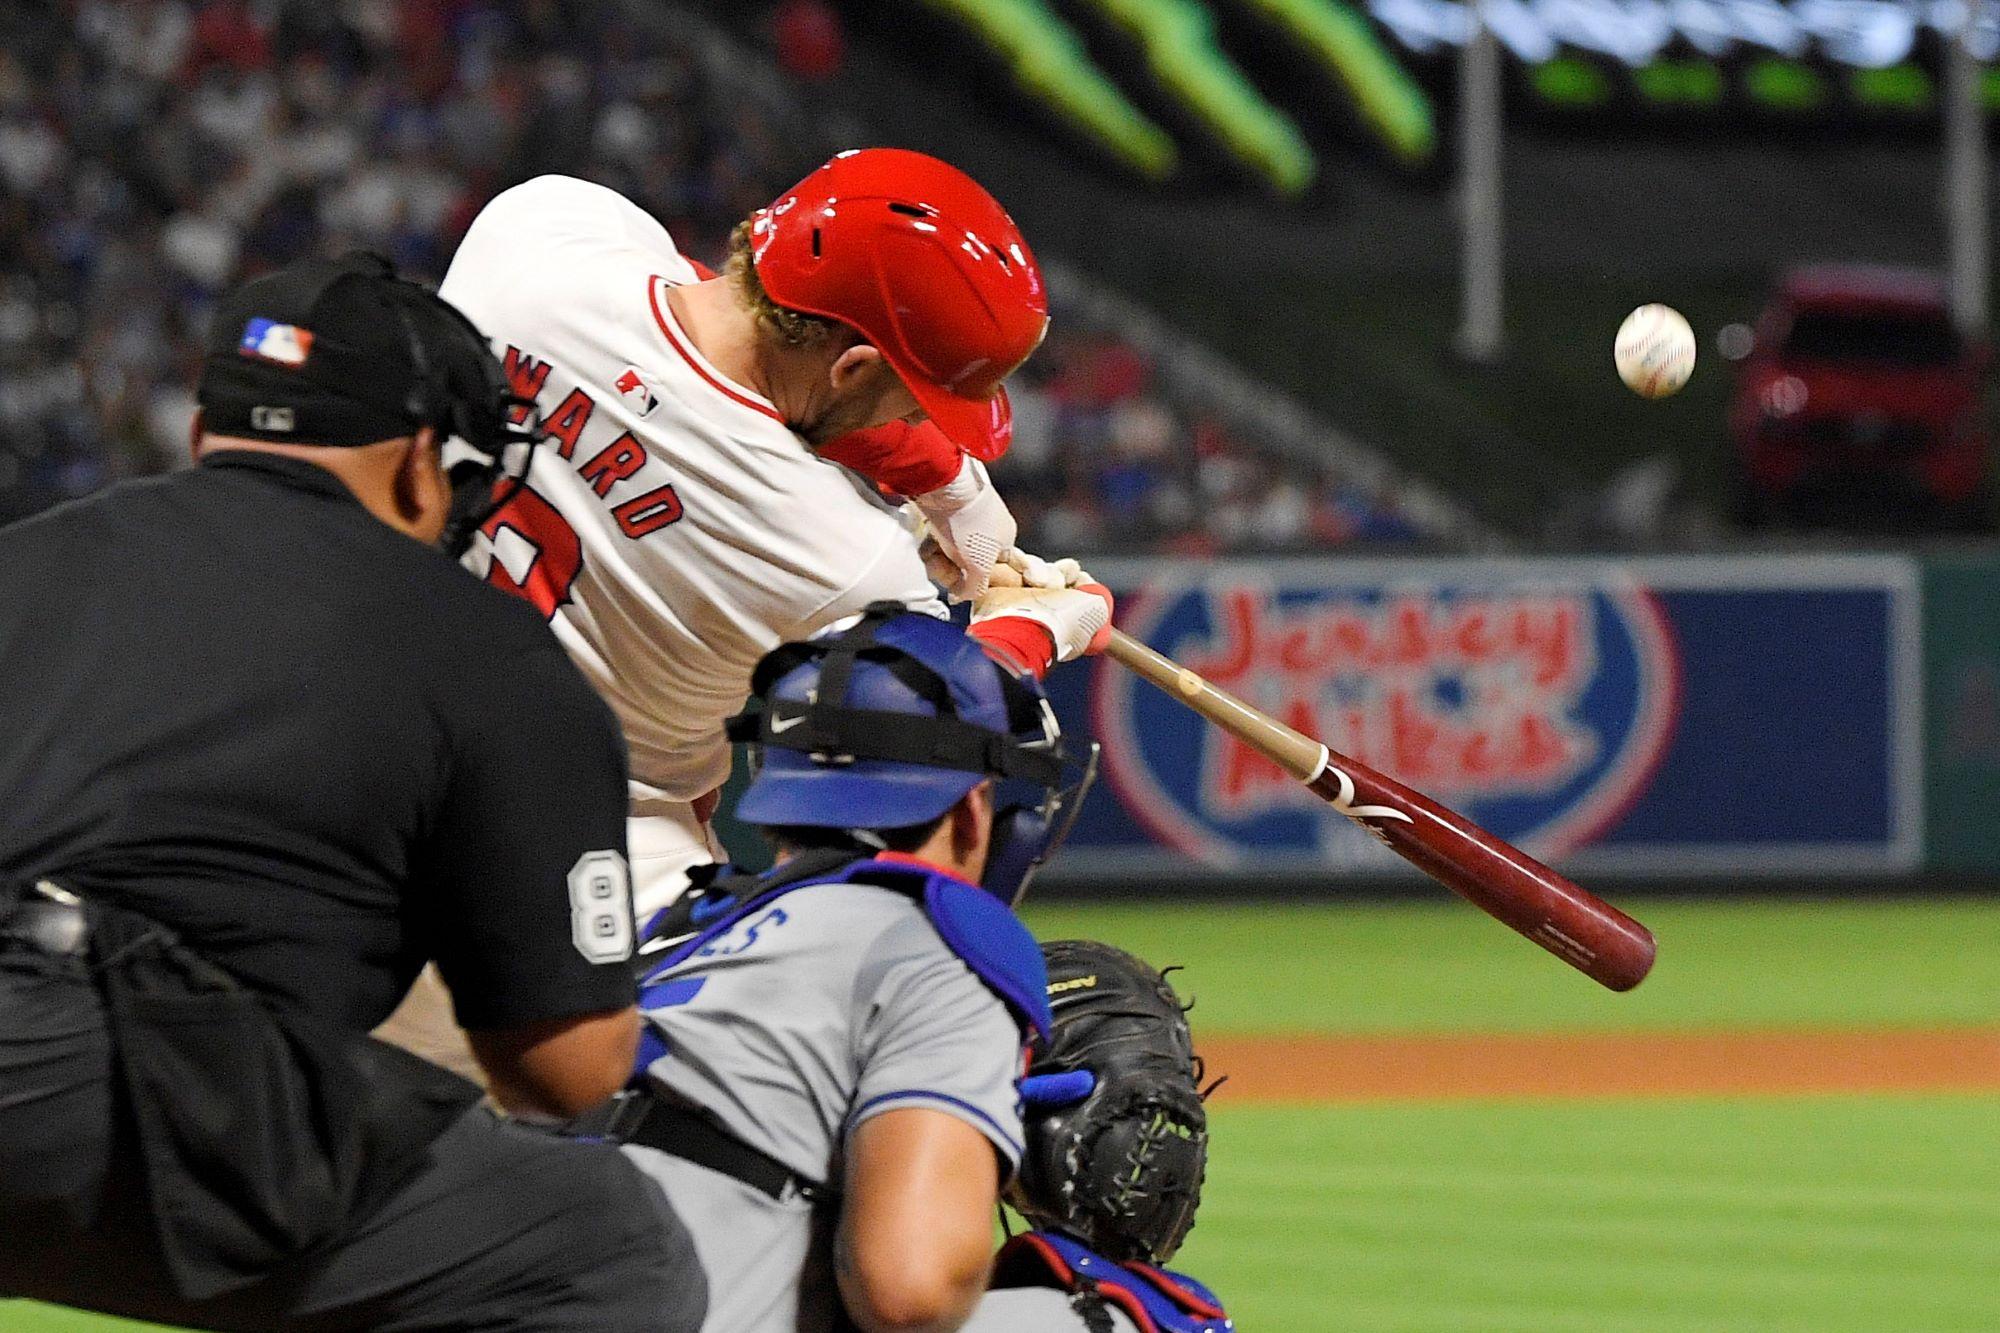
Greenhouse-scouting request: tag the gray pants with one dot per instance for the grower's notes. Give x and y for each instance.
(1035, 1310)
(505, 1229)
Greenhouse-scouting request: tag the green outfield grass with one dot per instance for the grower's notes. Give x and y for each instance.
(25, 1317)
(1779, 1215)
(1443, 966)
(1875, 1215)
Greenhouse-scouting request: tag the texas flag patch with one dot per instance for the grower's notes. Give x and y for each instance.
(634, 390)
(281, 344)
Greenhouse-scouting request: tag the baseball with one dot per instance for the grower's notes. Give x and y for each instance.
(1654, 351)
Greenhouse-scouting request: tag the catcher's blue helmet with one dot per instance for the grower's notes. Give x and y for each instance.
(888, 722)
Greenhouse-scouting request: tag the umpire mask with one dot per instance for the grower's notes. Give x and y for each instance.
(346, 352)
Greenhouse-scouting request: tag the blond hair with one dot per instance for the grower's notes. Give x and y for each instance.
(793, 328)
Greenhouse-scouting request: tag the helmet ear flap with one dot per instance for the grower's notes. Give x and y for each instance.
(925, 265)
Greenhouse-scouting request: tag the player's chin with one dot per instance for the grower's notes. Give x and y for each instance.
(826, 430)
(864, 409)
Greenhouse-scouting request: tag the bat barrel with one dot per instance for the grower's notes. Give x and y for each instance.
(1562, 917)
(1501, 880)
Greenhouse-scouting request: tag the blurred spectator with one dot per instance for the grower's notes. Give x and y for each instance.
(808, 39)
(155, 152)
(1104, 459)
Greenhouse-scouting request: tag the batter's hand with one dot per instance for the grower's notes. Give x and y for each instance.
(1078, 619)
(972, 526)
(1035, 572)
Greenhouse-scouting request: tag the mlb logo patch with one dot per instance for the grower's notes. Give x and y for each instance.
(280, 344)
(634, 390)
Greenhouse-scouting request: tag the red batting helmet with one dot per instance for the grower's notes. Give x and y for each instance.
(911, 253)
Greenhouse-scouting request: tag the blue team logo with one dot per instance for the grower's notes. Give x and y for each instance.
(1538, 710)
(280, 344)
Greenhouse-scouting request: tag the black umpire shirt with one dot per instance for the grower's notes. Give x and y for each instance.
(233, 700)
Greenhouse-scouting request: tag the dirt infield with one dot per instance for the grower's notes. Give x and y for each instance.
(1443, 1067)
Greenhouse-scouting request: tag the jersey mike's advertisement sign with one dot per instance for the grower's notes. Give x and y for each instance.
(1657, 717)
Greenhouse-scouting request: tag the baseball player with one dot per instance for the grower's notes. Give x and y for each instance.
(829, 1076)
(1117, 1144)
(718, 447)
(690, 510)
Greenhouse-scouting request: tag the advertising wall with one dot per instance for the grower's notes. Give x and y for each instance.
(1670, 717)
(1962, 731)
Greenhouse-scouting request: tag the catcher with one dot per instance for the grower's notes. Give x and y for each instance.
(828, 1087)
(1117, 1143)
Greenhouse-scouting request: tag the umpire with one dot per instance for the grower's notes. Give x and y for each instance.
(265, 750)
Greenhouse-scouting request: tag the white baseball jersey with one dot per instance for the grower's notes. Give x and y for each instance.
(675, 529)
(827, 1007)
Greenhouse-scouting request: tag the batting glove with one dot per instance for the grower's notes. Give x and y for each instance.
(972, 525)
(1036, 572)
(1078, 619)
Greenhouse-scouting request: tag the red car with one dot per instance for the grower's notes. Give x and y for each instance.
(1861, 405)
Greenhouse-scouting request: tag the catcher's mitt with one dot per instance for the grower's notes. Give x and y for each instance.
(1117, 1137)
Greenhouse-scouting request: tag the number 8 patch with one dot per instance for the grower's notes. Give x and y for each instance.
(600, 907)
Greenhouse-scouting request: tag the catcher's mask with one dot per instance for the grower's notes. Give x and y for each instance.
(346, 351)
(889, 721)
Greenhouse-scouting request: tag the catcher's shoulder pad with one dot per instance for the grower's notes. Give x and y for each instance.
(1158, 1300)
(717, 897)
(980, 929)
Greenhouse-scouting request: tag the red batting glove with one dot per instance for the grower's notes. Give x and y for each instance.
(1077, 620)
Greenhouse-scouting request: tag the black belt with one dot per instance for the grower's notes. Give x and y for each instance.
(691, 1136)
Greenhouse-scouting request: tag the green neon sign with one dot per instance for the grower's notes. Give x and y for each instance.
(1050, 65)
(1786, 58)
(1178, 38)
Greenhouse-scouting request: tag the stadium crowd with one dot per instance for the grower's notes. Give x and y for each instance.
(1107, 459)
(153, 152)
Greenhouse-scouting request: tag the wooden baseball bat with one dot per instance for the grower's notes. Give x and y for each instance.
(1492, 874)
(1569, 921)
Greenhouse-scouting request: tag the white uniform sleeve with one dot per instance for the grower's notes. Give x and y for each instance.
(896, 574)
(518, 229)
(934, 1036)
(538, 254)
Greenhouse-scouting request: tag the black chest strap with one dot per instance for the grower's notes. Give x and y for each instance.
(691, 1136)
